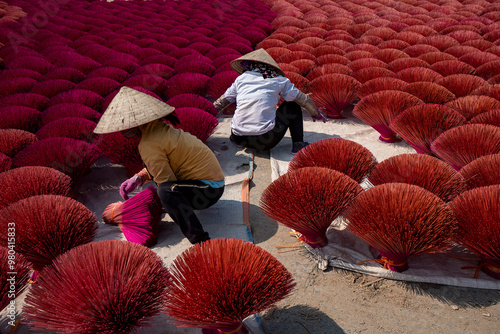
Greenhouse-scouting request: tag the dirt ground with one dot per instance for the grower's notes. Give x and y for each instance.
(338, 301)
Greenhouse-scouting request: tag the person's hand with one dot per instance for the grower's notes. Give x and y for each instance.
(130, 185)
(319, 117)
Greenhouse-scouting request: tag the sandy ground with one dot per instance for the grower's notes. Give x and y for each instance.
(338, 301)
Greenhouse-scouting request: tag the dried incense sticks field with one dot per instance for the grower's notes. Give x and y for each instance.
(424, 74)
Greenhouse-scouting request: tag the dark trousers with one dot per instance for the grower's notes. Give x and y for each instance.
(180, 198)
(288, 116)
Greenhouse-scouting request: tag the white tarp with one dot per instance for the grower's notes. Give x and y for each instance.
(344, 250)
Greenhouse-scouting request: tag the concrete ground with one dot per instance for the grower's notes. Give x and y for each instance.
(337, 301)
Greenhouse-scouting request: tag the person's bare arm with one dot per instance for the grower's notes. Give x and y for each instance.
(308, 104)
(222, 103)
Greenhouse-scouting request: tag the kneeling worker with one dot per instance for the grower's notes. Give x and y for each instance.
(186, 171)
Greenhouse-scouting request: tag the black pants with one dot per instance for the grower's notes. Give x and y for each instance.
(180, 198)
(288, 116)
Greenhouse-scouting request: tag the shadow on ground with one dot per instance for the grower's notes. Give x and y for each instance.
(452, 295)
(461, 297)
(299, 319)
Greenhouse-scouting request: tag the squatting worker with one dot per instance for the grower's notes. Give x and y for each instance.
(186, 171)
(256, 122)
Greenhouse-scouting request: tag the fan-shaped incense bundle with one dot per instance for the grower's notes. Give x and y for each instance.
(473, 105)
(100, 85)
(47, 226)
(82, 96)
(308, 200)
(70, 156)
(63, 110)
(478, 226)
(345, 156)
(65, 73)
(218, 283)
(417, 74)
(102, 287)
(420, 125)
(400, 220)
(197, 122)
(24, 182)
(461, 145)
(69, 127)
(121, 150)
(19, 117)
(379, 109)
(482, 172)
(461, 84)
(113, 73)
(430, 92)
(30, 100)
(187, 83)
(12, 285)
(380, 84)
(424, 171)
(491, 117)
(194, 101)
(332, 68)
(14, 140)
(449, 67)
(334, 92)
(403, 63)
(220, 82)
(16, 85)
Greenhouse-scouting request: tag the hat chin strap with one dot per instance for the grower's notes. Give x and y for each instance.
(133, 133)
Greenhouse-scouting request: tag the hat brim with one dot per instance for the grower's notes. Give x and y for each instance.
(131, 108)
(236, 65)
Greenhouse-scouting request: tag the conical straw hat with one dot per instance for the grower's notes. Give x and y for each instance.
(260, 56)
(131, 108)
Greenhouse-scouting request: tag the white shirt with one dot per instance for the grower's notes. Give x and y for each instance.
(256, 99)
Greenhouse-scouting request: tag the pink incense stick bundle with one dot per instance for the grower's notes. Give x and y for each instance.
(138, 217)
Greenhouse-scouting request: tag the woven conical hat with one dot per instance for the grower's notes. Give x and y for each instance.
(260, 56)
(131, 108)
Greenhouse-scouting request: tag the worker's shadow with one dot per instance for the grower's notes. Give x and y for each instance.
(299, 319)
(455, 296)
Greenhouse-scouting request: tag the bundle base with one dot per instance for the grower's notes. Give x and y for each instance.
(391, 265)
(392, 139)
(491, 270)
(314, 242)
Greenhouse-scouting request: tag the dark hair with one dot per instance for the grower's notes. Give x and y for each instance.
(172, 119)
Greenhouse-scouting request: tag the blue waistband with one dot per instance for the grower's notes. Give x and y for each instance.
(214, 184)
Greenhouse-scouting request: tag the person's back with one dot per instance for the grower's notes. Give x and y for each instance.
(188, 157)
(256, 122)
